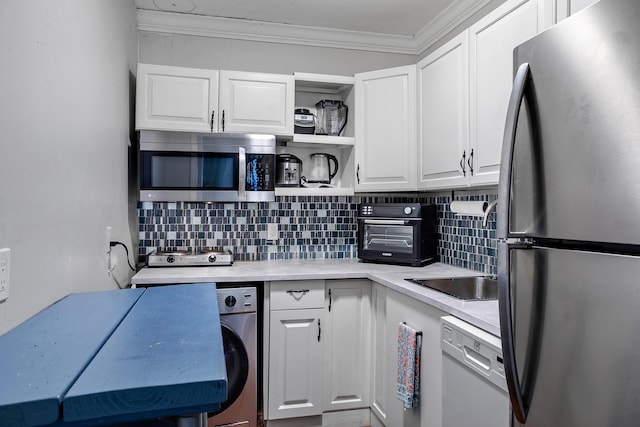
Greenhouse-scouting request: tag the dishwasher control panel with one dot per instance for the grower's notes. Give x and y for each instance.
(477, 349)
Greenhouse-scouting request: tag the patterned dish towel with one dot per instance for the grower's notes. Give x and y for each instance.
(408, 380)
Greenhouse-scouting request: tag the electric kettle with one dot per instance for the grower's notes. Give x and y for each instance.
(331, 117)
(321, 171)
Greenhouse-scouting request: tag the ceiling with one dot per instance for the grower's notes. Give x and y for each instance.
(402, 26)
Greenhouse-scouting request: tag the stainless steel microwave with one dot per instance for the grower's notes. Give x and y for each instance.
(397, 233)
(189, 167)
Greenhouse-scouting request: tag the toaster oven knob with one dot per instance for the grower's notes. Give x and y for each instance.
(407, 210)
(212, 258)
(171, 259)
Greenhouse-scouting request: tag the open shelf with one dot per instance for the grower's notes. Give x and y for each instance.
(303, 191)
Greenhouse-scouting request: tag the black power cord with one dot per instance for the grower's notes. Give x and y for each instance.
(116, 243)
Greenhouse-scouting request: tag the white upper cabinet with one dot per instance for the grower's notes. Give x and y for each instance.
(565, 8)
(386, 129)
(443, 114)
(176, 98)
(198, 100)
(463, 93)
(491, 44)
(256, 102)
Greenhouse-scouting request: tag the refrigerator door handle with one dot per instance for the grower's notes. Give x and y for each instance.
(516, 394)
(508, 146)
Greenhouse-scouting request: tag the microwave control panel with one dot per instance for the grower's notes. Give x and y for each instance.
(260, 172)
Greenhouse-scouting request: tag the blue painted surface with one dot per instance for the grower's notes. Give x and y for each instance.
(40, 358)
(165, 358)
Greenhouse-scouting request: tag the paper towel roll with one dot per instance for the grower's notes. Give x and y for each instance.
(473, 208)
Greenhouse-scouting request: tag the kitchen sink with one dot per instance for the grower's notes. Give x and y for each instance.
(476, 288)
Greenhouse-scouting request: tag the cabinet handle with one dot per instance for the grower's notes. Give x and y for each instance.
(319, 329)
(301, 291)
(462, 163)
(470, 162)
(358, 173)
(222, 120)
(212, 116)
(329, 300)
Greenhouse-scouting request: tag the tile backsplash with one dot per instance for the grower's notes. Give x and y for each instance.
(309, 227)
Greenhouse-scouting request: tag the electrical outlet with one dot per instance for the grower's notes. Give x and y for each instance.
(4, 273)
(272, 232)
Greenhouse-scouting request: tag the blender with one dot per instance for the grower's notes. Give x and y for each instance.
(331, 117)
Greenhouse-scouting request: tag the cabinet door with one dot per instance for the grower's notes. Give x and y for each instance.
(295, 363)
(425, 318)
(566, 8)
(386, 129)
(347, 344)
(256, 102)
(379, 365)
(443, 114)
(176, 98)
(491, 44)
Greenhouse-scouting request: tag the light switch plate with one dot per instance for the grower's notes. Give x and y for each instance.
(4, 273)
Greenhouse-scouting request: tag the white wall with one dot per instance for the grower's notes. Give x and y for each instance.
(66, 102)
(242, 55)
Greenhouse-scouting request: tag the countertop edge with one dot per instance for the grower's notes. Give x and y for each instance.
(483, 314)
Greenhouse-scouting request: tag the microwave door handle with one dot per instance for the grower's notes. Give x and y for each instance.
(242, 173)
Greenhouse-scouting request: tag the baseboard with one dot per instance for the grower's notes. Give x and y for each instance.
(351, 418)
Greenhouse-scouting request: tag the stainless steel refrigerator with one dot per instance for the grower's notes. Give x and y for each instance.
(569, 223)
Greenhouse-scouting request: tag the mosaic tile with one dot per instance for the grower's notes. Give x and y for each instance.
(315, 227)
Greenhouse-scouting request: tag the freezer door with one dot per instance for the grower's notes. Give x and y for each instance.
(576, 332)
(576, 158)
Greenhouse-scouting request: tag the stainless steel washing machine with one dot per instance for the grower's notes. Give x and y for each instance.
(238, 308)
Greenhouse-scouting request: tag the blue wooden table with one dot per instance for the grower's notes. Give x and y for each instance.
(100, 358)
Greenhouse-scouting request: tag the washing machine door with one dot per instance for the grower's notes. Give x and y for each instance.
(237, 362)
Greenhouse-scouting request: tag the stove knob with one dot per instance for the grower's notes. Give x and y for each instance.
(212, 258)
(171, 259)
(230, 301)
(407, 210)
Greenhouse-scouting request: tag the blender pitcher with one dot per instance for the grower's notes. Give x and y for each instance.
(331, 117)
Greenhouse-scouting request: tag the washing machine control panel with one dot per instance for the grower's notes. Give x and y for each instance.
(237, 300)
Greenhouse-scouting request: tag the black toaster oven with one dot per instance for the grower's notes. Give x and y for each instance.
(397, 233)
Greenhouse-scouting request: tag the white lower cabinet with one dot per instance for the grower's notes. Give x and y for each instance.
(379, 360)
(295, 350)
(295, 363)
(318, 350)
(387, 408)
(347, 343)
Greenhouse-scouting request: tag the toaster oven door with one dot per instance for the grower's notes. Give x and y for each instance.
(388, 236)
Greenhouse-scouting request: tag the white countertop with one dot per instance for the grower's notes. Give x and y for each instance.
(483, 314)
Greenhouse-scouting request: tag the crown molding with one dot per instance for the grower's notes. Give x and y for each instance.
(244, 29)
(454, 15)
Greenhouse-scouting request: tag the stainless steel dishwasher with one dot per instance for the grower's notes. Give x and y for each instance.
(474, 388)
